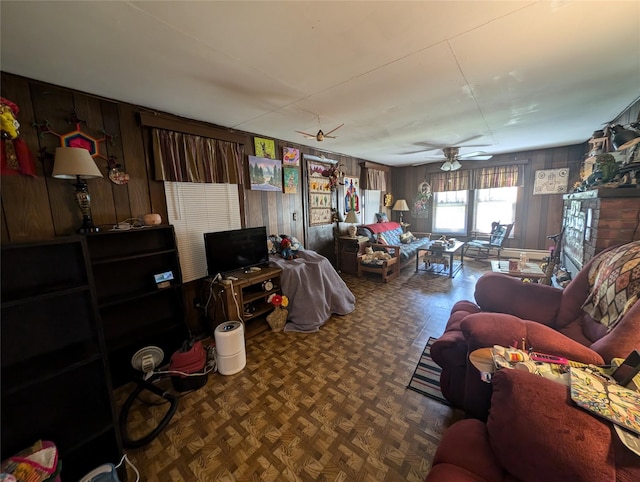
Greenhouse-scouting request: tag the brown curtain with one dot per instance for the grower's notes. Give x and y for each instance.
(498, 176)
(376, 180)
(450, 181)
(482, 178)
(183, 157)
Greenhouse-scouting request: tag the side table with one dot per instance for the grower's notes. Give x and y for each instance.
(348, 250)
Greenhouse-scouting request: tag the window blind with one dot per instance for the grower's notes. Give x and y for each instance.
(195, 209)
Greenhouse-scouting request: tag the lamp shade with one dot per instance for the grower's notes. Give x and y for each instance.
(351, 218)
(400, 205)
(446, 166)
(71, 162)
(455, 165)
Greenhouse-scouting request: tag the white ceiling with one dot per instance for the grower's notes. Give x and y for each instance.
(509, 75)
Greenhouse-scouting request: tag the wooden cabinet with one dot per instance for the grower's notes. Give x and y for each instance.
(348, 250)
(245, 299)
(134, 310)
(595, 220)
(55, 382)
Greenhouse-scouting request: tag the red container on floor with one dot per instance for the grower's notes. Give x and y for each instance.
(190, 361)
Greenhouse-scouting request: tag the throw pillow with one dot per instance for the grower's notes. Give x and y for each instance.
(615, 284)
(274, 245)
(381, 239)
(382, 217)
(408, 237)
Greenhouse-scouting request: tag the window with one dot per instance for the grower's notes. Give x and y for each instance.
(450, 212)
(494, 205)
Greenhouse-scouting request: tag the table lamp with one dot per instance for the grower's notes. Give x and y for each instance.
(400, 205)
(77, 163)
(352, 220)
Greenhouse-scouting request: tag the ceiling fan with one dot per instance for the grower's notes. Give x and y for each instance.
(321, 136)
(452, 158)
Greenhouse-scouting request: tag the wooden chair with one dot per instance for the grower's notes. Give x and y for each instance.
(388, 269)
(483, 248)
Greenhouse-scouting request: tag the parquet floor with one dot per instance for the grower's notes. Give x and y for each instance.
(327, 406)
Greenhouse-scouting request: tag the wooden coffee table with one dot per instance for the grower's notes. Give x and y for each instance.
(532, 270)
(445, 251)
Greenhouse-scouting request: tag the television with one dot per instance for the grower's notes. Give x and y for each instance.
(228, 251)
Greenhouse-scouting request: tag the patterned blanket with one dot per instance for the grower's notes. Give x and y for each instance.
(615, 284)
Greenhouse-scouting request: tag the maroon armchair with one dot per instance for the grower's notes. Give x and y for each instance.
(549, 319)
(534, 432)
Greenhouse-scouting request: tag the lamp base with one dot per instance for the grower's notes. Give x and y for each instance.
(351, 229)
(88, 226)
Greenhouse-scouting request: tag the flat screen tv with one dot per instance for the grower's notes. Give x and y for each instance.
(237, 249)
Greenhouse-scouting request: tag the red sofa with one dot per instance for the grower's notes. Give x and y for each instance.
(549, 319)
(534, 432)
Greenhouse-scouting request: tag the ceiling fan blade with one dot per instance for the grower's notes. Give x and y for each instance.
(473, 154)
(462, 141)
(307, 135)
(482, 157)
(333, 130)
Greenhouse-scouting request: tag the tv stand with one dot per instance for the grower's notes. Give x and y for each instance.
(245, 298)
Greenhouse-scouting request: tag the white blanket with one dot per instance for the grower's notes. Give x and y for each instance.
(315, 291)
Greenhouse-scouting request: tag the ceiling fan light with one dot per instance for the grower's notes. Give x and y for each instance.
(446, 166)
(455, 165)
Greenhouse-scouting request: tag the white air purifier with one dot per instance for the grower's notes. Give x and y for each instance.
(230, 351)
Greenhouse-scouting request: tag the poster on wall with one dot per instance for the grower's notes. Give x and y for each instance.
(265, 174)
(290, 180)
(351, 195)
(265, 147)
(290, 156)
(551, 181)
(320, 194)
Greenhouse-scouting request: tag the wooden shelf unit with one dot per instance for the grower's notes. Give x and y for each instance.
(246, 292)
(55, 379)
(136, 313)
(595, 220)
(348, 250)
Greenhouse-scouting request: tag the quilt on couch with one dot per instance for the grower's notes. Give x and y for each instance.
(391, 233)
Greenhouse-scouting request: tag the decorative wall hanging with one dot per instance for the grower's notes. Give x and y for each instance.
(15, 155)
(265, 147)
(351, 195)
(388, 200)
(77, 138)
(265, 174)
(116, 175)
(320, 193)
(551, 181)
(420, 208)
(290, 156)
(290, 180)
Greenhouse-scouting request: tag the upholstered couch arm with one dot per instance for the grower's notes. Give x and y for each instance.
(500, 293)
(487, 329)
(537, 433)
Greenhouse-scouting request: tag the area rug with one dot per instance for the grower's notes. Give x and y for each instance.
(426, 377)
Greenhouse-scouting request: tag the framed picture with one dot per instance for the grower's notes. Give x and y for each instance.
(265, 174)
(290, 156)
(265, 147)
(320, 194)
(291, 176)
(551, 181)
(351, 195)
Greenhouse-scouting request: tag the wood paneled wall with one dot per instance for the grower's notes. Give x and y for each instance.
(536, 216)
(44, 207)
